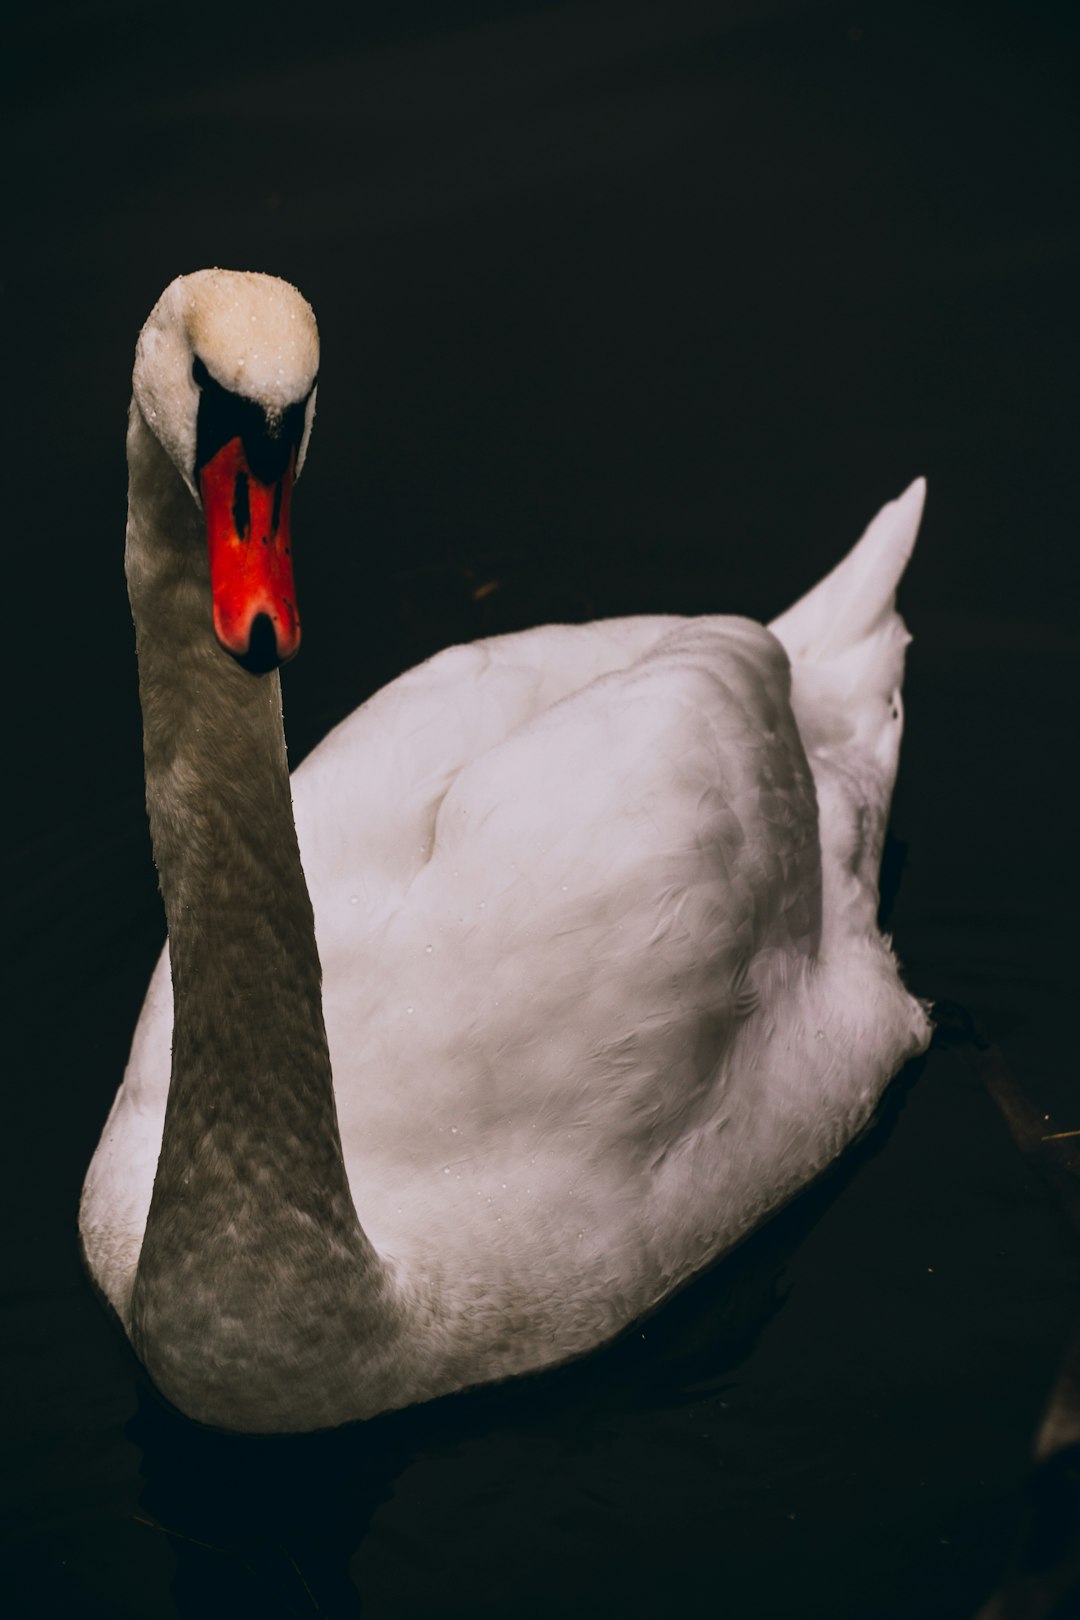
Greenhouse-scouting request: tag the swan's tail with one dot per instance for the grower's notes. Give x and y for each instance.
(846, 644)
(846, 641)
(856, 600)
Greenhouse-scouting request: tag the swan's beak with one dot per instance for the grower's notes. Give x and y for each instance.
(251, 573)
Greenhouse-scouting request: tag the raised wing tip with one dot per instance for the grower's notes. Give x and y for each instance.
(910, 508)
(897, 524)
(915, 493)
(850, 603)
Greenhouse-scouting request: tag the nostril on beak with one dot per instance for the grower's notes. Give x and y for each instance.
(262, 652)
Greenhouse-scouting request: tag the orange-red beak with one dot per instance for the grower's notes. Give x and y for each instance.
(251, 573)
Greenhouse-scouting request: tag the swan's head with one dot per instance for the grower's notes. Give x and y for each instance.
(224, 376)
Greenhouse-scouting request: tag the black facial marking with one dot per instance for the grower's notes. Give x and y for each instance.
(224, 416)
(241, 507)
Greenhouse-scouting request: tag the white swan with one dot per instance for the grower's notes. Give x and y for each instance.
(596, 912)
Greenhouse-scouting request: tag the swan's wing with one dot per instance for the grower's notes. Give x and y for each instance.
(366, 797)
(604, 895)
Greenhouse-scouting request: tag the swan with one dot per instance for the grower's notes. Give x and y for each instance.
(578, 978)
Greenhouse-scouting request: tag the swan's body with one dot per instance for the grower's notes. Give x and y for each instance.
(602, 981)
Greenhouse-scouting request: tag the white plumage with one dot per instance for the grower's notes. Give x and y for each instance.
(603, 985)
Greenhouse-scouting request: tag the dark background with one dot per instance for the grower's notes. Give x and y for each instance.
(624, 308)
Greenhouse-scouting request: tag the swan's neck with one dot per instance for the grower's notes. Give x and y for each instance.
(253, 1262)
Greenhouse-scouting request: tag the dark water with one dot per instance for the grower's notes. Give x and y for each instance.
(624, 308)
